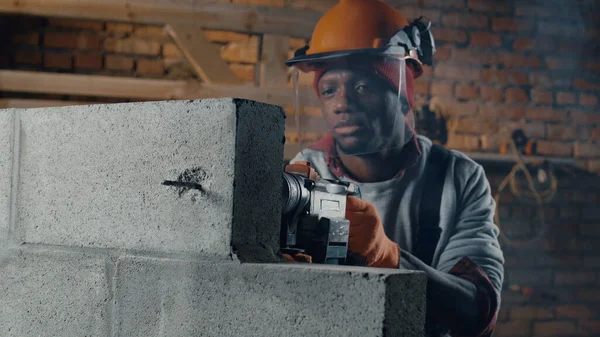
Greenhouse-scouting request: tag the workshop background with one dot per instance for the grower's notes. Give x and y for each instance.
(506, 72)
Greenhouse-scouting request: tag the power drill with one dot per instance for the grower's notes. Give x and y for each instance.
(313, 218)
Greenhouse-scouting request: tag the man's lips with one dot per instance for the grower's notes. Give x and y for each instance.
(347, 129)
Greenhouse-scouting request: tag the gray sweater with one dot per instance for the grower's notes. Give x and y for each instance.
(466, 217)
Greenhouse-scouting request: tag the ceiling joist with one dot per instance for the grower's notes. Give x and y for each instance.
(143, 89)
(209, 15)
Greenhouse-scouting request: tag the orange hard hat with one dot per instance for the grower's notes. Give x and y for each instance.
(355, 27)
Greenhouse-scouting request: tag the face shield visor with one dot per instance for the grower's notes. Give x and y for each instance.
(365, 103)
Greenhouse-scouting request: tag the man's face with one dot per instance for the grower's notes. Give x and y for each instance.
(362, 111)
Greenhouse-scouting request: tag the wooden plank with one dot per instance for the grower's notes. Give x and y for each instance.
(202, 54)
(273, 71)
(143, 89)
(206, 14)
(27, 103)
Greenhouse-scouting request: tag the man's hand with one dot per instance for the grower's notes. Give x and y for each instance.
(367, 236)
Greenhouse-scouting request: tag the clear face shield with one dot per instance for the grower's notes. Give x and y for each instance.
(364, 104)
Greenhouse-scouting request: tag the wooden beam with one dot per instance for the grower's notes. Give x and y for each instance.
(28, 103)
(202, 54)
(273, 71)
(202, 13)
(143, 89)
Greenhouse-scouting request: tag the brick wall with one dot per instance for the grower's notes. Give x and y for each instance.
(500, 66)
(552, 279)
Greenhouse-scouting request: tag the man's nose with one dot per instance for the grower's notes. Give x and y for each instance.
(344, 100)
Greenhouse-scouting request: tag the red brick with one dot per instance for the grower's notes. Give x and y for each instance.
(541, 79)
(132, 46)
(523, 44)
(594, 66)
(272, 3)
(592, 166)
(32, 57)
(513, 328)
(462, 73)
(557, 260)
(586, 150)
(245, 72)
(586, 118)
(88, 61)
(531, 313)
(591, 326)
(77, 24)
(467, 91)
(450, 107)
(29, 38)
(574, 311)
(242, 52)
(590, 230)
(551, 329)
(517, 77)
(516, 95)
(494, 76)
(117, 62)
(469, 125)
(584, 84)
(422, 88)
(470, 56)
(442, 54)
(565, 98)
(444, 89)
(518, 60)
(484, 39)
(542, 96)
(502, 111)
(71, 41)
(119, 29)
(506, 24)
(465, 20)
(575, 278)
(463, 142)
(534, 130)
(150, 67)
(588, 294)
(62, 61)
(458, 4)
(489, 6)
(150, 31)
(451, 35)
(595, 134)
(546, 114)
(556, 149)
(560, 132)
(555, 62)
(492, 94)
(588, 100)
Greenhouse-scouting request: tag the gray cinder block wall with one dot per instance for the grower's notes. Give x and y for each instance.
(93, 244)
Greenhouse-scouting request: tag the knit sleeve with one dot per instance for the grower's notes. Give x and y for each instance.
(474, 234)
(473, 251)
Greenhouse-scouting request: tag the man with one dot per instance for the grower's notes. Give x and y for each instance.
(421, 207)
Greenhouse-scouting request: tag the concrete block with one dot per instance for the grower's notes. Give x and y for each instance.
(91, 176)
(178, 298)
(53, 294)
(6, 162)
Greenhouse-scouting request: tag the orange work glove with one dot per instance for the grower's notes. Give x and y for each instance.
(367, 236)
(299, 257)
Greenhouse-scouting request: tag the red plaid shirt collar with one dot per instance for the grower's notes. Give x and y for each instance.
(408, 157)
